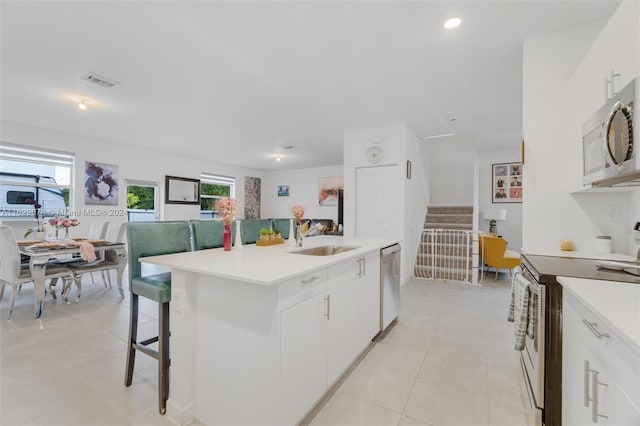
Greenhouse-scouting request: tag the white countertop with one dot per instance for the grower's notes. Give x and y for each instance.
(266, 265)
(618, 303)
(579, 254)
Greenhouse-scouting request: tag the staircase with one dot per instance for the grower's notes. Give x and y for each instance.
(445, 246)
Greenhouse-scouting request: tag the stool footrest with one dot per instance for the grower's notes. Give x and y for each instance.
(148, 341)
(151, 352)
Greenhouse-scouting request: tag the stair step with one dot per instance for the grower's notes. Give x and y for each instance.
(461, 226)
(449, 218)
(450, 210)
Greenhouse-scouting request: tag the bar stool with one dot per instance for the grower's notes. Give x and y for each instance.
(152, 239)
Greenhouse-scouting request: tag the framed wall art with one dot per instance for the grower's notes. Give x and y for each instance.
(506, 183)
(328, 190)
(101, 184)
(283, 190)
(181, 190)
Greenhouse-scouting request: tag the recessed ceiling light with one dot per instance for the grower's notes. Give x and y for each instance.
(452, 23)
(82, 103)
(278, 158)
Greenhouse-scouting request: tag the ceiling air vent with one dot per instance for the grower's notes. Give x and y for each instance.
(99, 80)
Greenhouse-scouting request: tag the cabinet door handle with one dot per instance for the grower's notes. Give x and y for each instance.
(359, 274)
(364, 266)
(592, 326)
(587, 373)
(594, 407)
(310, 280)
(328, 313)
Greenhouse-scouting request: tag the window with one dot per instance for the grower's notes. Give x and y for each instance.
(211, 188)
(30, 176)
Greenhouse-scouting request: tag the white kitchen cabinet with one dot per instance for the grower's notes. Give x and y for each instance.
(303, 356)
(370, 291)
(343, 334)
(600, 373)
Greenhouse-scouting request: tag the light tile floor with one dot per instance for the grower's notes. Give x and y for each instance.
(448, 361)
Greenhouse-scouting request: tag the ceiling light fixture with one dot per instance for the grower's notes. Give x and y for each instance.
(277, 157)
(452, 23)
(82, 103)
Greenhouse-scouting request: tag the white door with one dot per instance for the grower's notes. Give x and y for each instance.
(377, 200)
(304, 356)
(343, 333)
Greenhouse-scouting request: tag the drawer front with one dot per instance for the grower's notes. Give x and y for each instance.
(590, 328)
(301, 288)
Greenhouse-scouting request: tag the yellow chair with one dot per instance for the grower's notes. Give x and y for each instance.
(494, 253)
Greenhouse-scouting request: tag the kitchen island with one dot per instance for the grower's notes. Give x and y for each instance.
(259, 334)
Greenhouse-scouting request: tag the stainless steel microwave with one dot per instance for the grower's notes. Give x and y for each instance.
(610, 143)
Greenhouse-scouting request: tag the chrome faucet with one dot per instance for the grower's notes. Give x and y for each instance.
(299, 237)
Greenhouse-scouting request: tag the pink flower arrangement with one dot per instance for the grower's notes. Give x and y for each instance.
(227, 208)
(63, 222)
(297, 210)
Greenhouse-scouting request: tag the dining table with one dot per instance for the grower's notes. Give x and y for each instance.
(41, 254)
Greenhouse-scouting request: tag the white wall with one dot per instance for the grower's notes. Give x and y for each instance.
(398, 145)
(303, 189)
(511, 229)
(563, 76)
(449, 162)
(415, 205)
(133, 162)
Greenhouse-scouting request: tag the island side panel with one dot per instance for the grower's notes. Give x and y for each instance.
(236, 352)
(180, 406)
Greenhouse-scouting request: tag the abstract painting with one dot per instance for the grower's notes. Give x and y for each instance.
(252, 187)
(101, 185)
(328, 190)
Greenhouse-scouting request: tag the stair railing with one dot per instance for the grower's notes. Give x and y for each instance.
(445, 254)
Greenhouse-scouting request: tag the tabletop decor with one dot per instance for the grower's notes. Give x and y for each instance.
(62, 222)
(39, 228)
(297, 210)
(227, 208)
(506, 183)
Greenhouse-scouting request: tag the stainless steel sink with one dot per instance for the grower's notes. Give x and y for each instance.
(325, 250)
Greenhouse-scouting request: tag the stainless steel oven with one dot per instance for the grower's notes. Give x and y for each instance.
(532, 357)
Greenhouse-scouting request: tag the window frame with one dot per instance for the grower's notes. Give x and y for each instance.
(211, 179)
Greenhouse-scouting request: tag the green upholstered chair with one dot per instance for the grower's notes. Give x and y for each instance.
(283, 224)
(209, 234)
(152, 239)
(250, 229)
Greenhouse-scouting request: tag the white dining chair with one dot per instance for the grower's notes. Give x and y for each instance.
(11, 272)
(98, 231)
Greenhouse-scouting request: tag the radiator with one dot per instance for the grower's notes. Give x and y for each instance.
(445, 254)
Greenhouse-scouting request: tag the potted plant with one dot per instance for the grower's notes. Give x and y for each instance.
(277, 232)
(272, 234)
(264, 234)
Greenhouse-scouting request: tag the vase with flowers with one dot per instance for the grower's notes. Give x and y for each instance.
(39, 228)
(227, 208)
(62, 222)
(297, 210)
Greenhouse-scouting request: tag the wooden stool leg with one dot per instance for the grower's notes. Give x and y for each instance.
(163, 357)
(133, 339)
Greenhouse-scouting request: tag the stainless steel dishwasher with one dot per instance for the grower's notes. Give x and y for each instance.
(389, 285)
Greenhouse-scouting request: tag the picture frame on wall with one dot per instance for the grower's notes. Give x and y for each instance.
(181, 190)
(283, 190)
(506, 183)
(328, 188)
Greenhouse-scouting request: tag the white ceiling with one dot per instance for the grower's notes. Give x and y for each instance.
(233, 82)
